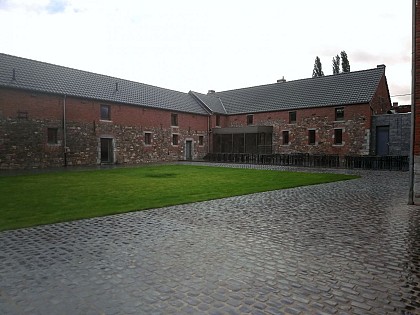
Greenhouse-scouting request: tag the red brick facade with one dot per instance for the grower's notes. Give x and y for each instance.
(49, 130)
(26, 117)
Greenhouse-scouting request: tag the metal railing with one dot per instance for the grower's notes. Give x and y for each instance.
(308, 160)
(399, 163)
(392, 163)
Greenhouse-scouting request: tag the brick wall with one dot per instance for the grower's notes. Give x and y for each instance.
(26, 116)
(355, 126)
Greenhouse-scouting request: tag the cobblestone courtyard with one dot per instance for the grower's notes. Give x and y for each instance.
(350, 247)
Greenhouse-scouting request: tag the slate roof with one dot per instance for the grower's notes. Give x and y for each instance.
(334, 90)
(342, 89)
(44, 77)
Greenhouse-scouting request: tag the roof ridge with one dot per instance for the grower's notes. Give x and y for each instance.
(302, 79)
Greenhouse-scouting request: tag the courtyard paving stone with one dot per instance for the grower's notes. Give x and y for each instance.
(351, 247)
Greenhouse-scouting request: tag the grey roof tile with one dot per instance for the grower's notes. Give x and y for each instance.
(334, 90)
(214, 104)
(44, 77)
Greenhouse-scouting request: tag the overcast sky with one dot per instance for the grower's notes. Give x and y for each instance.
(219, 44)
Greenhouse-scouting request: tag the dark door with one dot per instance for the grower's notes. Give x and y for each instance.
(382, 140)
(188, 150)
(106, 150)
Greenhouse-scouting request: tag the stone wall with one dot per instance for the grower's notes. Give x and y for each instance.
(26, 116)
(355, 127)
(23, 144)
(399, 133)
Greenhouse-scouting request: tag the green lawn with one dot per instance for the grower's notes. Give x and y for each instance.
(29, 200)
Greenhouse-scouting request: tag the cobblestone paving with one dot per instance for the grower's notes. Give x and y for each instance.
(351, 247)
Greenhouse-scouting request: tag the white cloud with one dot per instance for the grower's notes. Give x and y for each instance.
(201, 45)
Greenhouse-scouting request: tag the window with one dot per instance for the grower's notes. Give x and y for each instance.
(217, 120)
(52, 136)
(311, 136)
(174, 119)
(105, 112)
(201, 140)
(292, 117)
(147, 138)
(339, 113)
(22, 115)
(285, 137)
(338, 136)
(175, 139)
(249, 119)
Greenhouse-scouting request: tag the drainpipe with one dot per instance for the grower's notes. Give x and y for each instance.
(65, 130)
(413, 107)
(208, 134)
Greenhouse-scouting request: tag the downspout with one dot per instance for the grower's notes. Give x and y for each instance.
(413, 107)
(65, 130)
(208, 134)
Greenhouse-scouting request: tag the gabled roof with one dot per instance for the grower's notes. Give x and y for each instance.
(21, 73)
(341, 89)
(334, 90)
(213, 104)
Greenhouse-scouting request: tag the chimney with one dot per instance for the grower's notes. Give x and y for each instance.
(395, 104)
(282, 80)
(211, 92)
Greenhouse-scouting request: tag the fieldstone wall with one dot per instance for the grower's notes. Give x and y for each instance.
(23, 144)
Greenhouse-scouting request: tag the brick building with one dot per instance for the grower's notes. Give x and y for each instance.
(55, 116)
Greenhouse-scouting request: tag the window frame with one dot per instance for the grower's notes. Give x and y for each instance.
(52, 136)
(217, 120)
(201, 141)
(341, 136)
(249, 119)
(285, 136)
(174, 120)
(175, 139)
(339, 114)
(311, 136)
(292, 117)
(106, 117)
(147, 139)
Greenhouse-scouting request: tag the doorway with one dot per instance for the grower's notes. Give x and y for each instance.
(107, 151)
(188, 150)
(382, 140)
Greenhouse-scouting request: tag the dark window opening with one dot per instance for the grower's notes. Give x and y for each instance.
(249, 119)
(339, 113)
(292, 117)
(105, 112)
(286, 137)
(52, 135)
(175, 139)
(22, 115)
(174, 119)
(148, 138)
(338, 136)
(201, 140)
(217, 120)
(311, 137)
